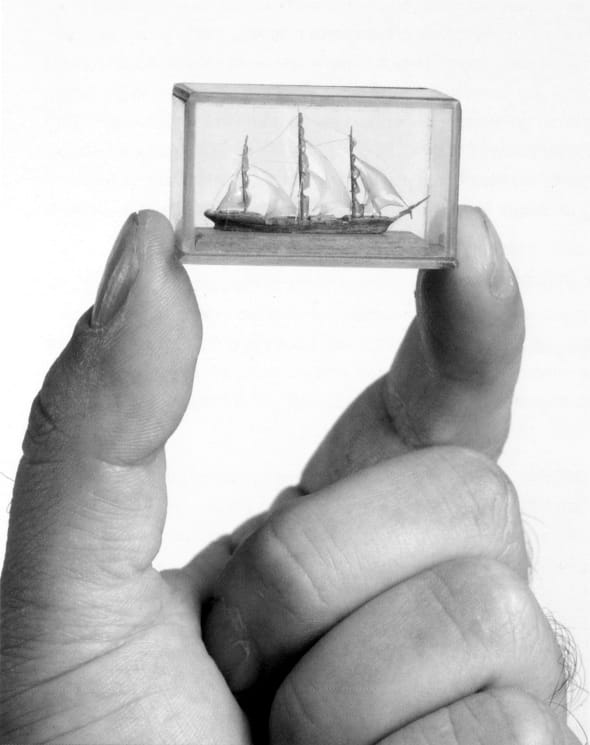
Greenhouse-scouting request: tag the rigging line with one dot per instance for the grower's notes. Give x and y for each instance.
(325, 126)
(274, 160)
(281, 133)
(221, 191)
(292, 191)
(362, 154)
(371, 159)
(329, 142)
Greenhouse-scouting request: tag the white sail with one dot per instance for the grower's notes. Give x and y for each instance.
(380, 190)
(265, 195)
(327, 193)
(233, 200)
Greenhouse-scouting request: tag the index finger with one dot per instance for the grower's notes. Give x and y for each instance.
(453, 379)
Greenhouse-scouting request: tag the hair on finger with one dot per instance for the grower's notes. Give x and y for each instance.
(571, 685)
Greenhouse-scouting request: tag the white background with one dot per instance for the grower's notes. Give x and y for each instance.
(86, 140)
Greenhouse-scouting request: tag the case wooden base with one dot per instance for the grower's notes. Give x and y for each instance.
(394, 248)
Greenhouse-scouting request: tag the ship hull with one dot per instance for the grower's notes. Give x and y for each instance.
(252, 222)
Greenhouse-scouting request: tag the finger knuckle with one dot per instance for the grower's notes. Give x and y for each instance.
(286, 567)
(516, 713)
(487, 499)
(294, 718)
(487, 602)
(503, 715)
(61, 407)
(43, 426)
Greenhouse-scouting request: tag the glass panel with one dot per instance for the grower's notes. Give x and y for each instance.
(314, 176)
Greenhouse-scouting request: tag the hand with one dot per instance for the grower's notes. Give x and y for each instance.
(392, 604)
(99, 647)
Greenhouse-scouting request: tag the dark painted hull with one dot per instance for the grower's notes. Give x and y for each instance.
(252, 222)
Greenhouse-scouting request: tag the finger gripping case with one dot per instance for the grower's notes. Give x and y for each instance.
(307, 175)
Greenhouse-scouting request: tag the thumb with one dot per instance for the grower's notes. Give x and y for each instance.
(89, 502)
(122, 384)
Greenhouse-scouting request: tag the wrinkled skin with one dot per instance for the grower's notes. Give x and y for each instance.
(384, 599)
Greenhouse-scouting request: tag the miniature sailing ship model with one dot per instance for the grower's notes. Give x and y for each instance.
(255, 201)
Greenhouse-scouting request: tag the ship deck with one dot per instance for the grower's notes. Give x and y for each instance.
(393, 248)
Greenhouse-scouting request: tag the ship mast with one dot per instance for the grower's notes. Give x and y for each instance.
(356, 208)
(303, 170)
(245, 165)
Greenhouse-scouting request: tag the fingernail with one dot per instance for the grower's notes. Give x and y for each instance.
(119, 275)
(501, 278)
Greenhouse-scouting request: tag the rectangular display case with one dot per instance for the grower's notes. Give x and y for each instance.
(315, 175)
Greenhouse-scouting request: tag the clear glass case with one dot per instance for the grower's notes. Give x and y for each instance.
(315, 175)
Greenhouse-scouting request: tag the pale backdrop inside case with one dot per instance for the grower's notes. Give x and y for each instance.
(86, 140)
